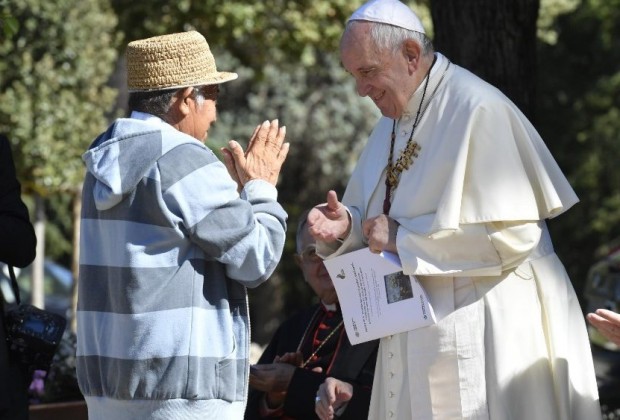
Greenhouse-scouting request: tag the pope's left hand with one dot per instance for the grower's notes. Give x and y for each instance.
(380, 232)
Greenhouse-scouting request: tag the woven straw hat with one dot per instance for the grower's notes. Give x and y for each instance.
(172, 61)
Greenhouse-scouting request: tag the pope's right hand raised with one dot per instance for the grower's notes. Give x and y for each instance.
(329, 221)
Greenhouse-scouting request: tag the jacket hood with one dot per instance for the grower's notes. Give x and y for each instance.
(120, 157)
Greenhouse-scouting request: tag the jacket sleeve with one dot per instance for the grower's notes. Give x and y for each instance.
(17, 237)
(244, 232)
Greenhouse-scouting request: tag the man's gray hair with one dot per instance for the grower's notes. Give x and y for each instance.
(157, 102)
(391, 38)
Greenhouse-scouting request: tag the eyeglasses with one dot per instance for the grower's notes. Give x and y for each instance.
(309, 255)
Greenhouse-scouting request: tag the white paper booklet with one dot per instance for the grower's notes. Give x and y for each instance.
(376, 297)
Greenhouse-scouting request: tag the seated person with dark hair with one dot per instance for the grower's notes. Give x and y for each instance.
(306, 349)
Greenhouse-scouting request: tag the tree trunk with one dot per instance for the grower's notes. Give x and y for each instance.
(38, 287)
(495, 39)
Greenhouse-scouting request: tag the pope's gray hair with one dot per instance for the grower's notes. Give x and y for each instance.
(391, 38)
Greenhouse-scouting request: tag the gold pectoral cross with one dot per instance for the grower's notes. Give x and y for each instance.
(411, 151)
(405, 160)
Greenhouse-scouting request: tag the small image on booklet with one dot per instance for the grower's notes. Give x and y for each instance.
(376, 297)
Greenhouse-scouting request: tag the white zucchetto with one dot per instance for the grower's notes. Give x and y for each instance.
(392, 12)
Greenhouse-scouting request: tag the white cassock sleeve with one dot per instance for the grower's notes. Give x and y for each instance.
(484, 249)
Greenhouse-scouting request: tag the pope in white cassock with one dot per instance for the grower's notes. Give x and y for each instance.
(458, 183)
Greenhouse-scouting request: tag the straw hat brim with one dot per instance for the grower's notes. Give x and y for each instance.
(172, 61)
(213, 79)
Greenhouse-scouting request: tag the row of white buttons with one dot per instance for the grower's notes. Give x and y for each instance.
(390, 356)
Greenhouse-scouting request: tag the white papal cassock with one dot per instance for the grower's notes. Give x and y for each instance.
(510, 342)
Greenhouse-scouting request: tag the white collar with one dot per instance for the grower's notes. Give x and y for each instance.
(331, 307)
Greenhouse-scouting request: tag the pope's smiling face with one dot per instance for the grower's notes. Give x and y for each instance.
(382, 75)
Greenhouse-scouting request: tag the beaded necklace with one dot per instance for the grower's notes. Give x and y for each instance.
(407, 155)
(336, 328)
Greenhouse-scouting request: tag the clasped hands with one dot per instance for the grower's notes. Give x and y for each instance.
(275, 378)
(330, 221)
(263, 157)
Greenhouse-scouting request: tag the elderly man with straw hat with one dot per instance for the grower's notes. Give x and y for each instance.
(170, 239)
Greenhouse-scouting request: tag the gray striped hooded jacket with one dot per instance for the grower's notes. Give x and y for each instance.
(167, 249)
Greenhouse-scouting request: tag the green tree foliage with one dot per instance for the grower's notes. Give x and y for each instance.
(579, 103)
(8, 25)
(54, 66)
(547, 15)
(255, 32)
(53, 96)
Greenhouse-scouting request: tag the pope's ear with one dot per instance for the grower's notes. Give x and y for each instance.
(413, 53)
